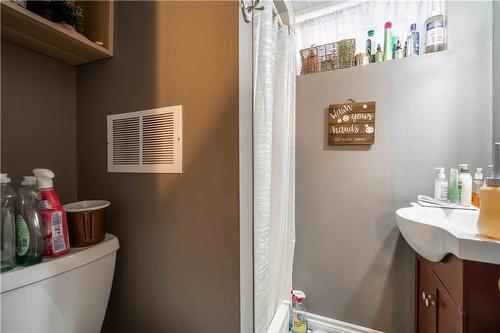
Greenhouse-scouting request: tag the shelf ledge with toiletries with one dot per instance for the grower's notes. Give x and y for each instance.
(420, 62)
(421, 39)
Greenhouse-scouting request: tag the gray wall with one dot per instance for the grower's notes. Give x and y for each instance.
(496, 71)
(432, 110)
(178, 264)
(38, 117)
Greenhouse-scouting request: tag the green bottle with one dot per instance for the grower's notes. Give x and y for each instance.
(387, 41)
(30, 231)
(453, 194)
(8, 199)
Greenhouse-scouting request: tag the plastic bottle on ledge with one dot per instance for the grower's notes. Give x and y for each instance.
(387, 41)
(370, 45)
(435, 32)
(394, 44)
(379, 55)
(398, 53)
(413, 41)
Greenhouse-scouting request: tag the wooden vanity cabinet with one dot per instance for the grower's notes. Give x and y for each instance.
(457, 295)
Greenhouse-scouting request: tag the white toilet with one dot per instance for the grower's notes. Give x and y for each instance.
(66, 294)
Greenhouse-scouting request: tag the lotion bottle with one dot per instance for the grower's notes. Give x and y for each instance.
(476, 185)
(440, 185)
(388, 41)
(465, 185)
(488, 223)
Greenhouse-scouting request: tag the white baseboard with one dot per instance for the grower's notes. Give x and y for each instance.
(335, 326)
(281, 319)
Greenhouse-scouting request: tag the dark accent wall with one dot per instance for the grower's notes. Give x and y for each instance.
(38, 113)
(178, 264)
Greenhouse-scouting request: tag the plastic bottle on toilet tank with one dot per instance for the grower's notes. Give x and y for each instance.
(53, 214)
(30, 230)
(8, 250)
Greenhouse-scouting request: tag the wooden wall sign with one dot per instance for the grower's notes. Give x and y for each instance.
(351, 124)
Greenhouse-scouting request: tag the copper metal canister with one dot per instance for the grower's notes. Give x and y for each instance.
(86, 221)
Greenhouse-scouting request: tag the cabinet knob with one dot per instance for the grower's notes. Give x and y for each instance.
(428, 299)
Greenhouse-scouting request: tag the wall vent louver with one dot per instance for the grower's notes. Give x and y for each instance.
(147, 141)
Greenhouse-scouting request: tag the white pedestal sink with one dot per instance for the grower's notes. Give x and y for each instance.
(435, 232)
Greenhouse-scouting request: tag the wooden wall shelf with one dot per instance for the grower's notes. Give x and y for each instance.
(22, 27)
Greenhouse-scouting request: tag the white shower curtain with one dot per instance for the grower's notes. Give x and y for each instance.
(274, 164)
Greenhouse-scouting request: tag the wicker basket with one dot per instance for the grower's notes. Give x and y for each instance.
(346, 48)
(327, 57)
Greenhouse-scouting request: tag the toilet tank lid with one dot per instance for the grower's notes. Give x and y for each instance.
(23, 276)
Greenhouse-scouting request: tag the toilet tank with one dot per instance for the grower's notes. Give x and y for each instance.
(65, 294)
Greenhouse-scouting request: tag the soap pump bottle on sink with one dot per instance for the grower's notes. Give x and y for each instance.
(440, 185)
(488, 223)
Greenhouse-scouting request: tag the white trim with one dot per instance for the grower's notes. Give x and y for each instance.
(246, 176)
(279, 324)
(335, 326)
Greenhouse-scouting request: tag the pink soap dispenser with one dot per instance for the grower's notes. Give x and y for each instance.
(53, 215)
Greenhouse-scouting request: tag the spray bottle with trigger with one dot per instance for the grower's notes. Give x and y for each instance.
(53, 215)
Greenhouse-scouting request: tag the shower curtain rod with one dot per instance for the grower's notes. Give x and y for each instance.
(248, 10)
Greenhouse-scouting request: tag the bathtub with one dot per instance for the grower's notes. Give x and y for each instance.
(281, 318)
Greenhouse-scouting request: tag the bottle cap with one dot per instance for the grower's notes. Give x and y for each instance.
(413, 27)
(479, 174)
(28, 181)
(464, 168)
(495, 171)
(44, 178)
(371, 33)
(388, 25)
(4, 178)
(299, 294)
(441, 174)
(441, 169)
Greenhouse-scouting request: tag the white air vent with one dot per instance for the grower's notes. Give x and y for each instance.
(147, 141)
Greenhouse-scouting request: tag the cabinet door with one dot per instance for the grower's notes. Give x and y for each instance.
(449, 315)
(482, 297)
(426, 299)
